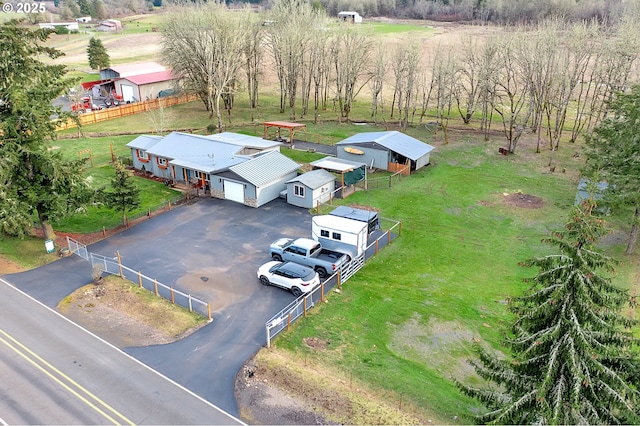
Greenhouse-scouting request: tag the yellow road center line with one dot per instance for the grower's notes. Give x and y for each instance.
(69, 379)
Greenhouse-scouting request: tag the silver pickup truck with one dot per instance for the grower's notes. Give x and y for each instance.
(308, 252)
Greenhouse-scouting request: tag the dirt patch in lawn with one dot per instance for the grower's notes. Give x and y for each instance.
(446, 344)
(124, 315)
(273, 388)
(8, 266)
(523, 201)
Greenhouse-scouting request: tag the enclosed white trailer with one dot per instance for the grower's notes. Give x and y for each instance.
(340, 234)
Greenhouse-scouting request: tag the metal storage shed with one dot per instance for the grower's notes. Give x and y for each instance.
(348, 16)
(390, 151)
(310, 189)
(144, 86)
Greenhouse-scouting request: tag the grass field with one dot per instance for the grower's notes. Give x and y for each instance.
(406, 323)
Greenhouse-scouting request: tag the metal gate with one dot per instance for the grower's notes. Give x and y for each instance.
(78, 248)
(350, 268)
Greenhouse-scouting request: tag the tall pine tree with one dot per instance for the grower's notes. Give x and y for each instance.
(573, 359)
(36, 183)
(613, 151)
(97, 54)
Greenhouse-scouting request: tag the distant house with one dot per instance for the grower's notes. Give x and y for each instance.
(311, 188)
(391, 151)
(136, 81)
(84, 19)
(110, 25)
(241, 168)
(71, 26)
(353, 17)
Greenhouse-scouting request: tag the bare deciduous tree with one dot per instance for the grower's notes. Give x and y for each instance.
(467, 81)
(405, 63)
(253, 56)
(442, 86)
(289, 37)
(160, 118)
(378, 74)
(204, 44)
(510, 98)
(350, 57)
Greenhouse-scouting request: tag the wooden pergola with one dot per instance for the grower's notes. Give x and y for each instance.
(291, 127)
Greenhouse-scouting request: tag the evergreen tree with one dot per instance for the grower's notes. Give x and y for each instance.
(36, 183)
(573, 361)
(85, 8)
(99, 11)
(124, 194)
(97, 54)
(613, 151)
(69, 9)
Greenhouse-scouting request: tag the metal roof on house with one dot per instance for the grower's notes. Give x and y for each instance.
(243, 140)
(395, 141)
(128, 70)
(152, 77)
(265, 168)
(210, 165)
(337, 164)
(144, 141)
(193, 148)
(314, 179)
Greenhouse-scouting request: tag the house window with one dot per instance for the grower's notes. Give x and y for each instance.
(337, 236)
(324, 233)
(298, 190)
(201, 176)
(142, 155)
(162, 163)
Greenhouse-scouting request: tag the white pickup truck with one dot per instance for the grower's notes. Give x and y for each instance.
(308, 252)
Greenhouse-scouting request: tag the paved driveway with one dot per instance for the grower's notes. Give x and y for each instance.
(210, 249)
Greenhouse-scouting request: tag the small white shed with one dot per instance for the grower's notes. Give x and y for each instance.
(310, 189)
(353, 17)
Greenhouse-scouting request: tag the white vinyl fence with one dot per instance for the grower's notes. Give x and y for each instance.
(113, 265)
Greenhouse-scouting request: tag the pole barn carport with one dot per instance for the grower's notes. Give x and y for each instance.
(291, 127)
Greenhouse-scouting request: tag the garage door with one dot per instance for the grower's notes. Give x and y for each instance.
(234, 191)
(127, 93)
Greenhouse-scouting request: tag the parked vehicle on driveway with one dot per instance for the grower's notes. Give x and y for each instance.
(288, 275)
(309, 253)
(341, 234)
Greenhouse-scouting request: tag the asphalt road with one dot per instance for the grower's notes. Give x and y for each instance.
(62, 374)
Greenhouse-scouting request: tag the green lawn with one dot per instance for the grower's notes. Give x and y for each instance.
(29, 252)
(405, 323)
(395, 28)
(153, 195)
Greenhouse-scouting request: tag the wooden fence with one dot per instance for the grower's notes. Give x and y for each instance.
(127, 109)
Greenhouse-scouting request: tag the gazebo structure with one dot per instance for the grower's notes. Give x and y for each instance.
(291, 127)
